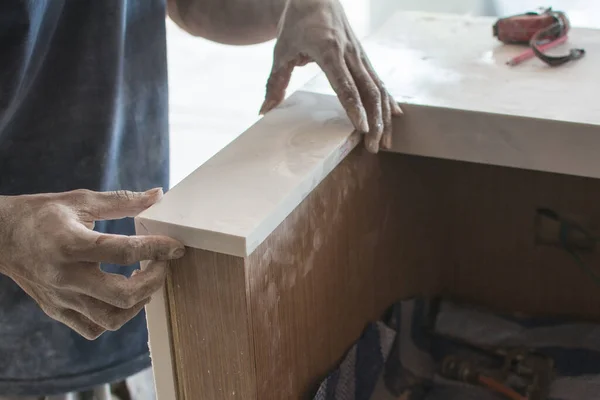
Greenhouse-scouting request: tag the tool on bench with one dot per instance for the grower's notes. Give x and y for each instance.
(541, 30)
(530, 372)
(516, 373)
(465, 371)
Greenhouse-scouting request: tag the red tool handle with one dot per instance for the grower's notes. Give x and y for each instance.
(538, 30)
(520, 29)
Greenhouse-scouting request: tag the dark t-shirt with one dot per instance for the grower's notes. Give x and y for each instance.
(83, 104)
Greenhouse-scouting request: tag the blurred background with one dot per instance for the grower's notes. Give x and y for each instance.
(216, 90)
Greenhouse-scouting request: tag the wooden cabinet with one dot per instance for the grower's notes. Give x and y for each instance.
(297, 237)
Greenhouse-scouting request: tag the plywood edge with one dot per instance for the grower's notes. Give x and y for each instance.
(159, 339)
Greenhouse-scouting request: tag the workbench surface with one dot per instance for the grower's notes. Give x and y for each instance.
(454, 62)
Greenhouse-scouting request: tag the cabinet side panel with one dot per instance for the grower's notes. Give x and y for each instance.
(209, 322)
(355, 245)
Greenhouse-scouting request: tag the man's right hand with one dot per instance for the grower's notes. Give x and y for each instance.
(48, 247)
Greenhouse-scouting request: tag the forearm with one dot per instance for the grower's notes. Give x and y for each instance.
(237, 22)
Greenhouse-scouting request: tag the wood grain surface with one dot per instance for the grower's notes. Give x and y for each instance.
(337, 262)
(209, 322)
(376, 230)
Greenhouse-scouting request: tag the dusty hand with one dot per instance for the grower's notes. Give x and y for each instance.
(318, 30)
(48, 247)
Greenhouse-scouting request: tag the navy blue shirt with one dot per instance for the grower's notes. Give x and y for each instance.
(83, 104)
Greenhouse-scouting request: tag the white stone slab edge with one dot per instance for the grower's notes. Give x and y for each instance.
(324, 137)
(159, 340)
(501, 140)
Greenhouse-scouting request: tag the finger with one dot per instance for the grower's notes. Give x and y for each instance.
(278, 81)
(371, 98)
(76, 321)
(113, 205)
(333, 65)
(122, 250)
(386, 140)
(394, 107)
(117, 290)
(89, 224)
(302, 60)
(105, 315)
(80, 324)
(389, 105)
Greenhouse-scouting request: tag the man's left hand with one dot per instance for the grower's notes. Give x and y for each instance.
(318, 30)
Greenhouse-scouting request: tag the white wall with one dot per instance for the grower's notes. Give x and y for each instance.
(582, 13)
(365, 15)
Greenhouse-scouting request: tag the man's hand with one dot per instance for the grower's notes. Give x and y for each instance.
(48, 247)
(318, 30)
(307, 30)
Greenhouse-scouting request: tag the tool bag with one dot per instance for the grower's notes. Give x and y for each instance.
(405, 357)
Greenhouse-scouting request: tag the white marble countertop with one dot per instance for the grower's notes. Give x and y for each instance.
(453, 61)
(461, 102)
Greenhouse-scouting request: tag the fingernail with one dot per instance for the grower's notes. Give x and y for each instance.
(363, 125)
(372, 146)
(178, 253)
(396, 109)
(386, 143)
(153, 192)
(267, 106)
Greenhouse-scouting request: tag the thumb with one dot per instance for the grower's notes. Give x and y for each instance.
(277, 83)
(118, 204)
